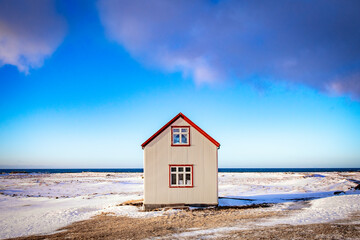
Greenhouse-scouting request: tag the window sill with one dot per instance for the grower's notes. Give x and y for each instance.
(180, 145)
(181, 186)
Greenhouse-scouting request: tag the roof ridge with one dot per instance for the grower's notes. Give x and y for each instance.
(188, 121)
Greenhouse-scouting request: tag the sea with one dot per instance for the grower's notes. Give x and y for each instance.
(140, 170)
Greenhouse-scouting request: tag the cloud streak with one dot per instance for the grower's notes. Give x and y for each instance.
(315, 43)
(30, 31)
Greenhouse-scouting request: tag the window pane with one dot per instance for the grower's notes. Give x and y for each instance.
(176, 138)
(184, 138)
(187, 169)
(181, 169)
(181, 179)
(173, 179)
(176, 130)
(173, 169)
(188, 180)
(184, 130)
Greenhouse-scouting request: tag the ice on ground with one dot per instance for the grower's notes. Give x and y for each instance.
(254, 184)
(43, 203)
(203, 234)
(321, 211)
(257, 188)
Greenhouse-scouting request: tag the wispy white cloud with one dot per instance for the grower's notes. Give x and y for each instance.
(158, 32)
(302, 42)
(30, 31)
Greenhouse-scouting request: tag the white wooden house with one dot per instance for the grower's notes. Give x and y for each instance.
(180, 166)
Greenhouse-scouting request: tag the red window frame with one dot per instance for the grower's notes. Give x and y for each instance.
(182, 165)
(172, 137)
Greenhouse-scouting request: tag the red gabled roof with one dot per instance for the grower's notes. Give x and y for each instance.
(188, 121)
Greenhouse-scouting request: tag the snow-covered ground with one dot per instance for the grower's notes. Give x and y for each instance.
(282, 187)
(42, 203)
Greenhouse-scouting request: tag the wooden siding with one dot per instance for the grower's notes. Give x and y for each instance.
(159, 153)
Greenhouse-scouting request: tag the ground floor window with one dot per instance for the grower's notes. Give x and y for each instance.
(181, 175)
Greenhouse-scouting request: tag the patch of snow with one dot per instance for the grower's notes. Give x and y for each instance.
(244, 185)
(26, 216)
(203, 234)
(322, 210)
(37, 204)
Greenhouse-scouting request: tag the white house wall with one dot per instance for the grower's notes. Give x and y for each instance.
(159, 154)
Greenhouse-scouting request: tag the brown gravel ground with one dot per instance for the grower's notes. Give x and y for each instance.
(107, 226)
(311, 231)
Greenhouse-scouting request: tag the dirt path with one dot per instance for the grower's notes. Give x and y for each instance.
(311, 231)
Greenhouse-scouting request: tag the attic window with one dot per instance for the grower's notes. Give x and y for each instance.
(181, 176)
(180, 136)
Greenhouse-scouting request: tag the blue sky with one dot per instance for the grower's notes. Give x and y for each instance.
(84, 83)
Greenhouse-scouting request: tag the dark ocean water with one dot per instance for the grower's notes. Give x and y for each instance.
(136, 170)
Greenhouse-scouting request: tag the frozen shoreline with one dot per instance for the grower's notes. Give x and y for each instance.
(42, 203)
